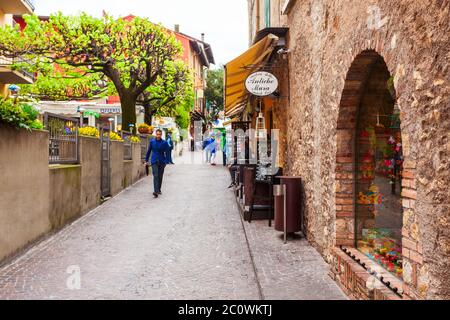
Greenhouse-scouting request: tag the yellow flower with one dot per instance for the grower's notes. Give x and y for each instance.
(89, 131)
(114, 137)
(135, 139)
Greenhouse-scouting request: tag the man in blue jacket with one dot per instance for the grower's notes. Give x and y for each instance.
(158, 150)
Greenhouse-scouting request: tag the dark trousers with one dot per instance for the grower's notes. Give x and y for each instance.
(158, 174)
(169, 156)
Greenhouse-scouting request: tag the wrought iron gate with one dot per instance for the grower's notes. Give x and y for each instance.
(106, 163)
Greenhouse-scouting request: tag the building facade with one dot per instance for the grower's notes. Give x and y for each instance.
(8, 74)
(198, 56)
(363, 108)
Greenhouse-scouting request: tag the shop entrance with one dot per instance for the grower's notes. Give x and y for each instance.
(370, 159)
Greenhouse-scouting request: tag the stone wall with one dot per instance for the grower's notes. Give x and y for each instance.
(65, 191)
(24, 188)
(117, 167)
(327, 38)
(138, 169)
(36, 198)
(90, 157)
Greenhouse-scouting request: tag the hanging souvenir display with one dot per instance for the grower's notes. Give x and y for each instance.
(379, 208)
(373, 196)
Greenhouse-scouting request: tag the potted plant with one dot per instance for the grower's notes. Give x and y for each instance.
(145, 129)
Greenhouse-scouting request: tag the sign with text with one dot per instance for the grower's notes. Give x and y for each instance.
(261, 83)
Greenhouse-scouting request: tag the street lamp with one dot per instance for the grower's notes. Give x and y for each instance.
(14, 91)
(81, 111)
(111, 120)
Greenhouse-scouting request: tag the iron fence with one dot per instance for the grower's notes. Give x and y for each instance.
(127, 151)
(145, 141)
(63, 139)
(105, 184)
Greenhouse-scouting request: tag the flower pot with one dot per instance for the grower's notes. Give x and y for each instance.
(143, 130)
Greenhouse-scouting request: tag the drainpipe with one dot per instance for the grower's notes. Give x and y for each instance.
(258, 17)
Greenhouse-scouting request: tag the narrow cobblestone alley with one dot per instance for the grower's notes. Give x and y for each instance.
(188, 244)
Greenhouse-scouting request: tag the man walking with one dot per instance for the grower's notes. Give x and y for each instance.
(158, 150)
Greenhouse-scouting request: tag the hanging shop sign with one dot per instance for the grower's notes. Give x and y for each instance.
(261, 83)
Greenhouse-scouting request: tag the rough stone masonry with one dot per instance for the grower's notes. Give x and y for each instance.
(332, 43)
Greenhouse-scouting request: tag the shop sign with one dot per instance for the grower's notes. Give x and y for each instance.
(110, 110)
(261, 83)
(163, 122)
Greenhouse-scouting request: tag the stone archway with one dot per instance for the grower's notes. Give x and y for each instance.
(353, 91)
(369, 167)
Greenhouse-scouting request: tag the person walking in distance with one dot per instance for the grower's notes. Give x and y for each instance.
(171, 147)
(158, 150)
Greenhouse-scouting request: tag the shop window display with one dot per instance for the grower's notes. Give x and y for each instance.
(379, 163)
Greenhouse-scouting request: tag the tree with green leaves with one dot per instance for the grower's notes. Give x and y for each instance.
(56, 87)
(168, 93)
(214, 92)
(136, 56)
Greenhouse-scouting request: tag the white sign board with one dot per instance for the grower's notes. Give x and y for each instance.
(261, 83)
(164, 122)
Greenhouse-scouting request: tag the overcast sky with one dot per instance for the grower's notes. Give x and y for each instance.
(223, 21)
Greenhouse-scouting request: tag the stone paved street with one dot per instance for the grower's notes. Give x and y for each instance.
(189, 244)
(294, 271)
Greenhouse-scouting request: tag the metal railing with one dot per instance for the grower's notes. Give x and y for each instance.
(30, 4)
(127, 151)
(63, 139)
(9, 62)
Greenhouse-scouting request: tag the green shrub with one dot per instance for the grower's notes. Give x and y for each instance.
(37, 125)
(31, 111)
(11, 114)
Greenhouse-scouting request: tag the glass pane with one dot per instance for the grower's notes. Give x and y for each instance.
(379, 212)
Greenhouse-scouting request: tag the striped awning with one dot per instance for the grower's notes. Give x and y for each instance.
(237, 71)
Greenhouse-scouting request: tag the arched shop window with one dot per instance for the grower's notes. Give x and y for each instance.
(378, 176)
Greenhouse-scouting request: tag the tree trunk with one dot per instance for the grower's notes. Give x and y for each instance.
(149, 112)
(128, 103)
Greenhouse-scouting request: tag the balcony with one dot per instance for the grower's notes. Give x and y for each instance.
(10, 74)
(18, 7)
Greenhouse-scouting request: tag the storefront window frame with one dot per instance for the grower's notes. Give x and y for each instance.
(356, 187)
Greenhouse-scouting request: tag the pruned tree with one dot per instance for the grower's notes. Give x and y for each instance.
(168, 92)
(133, 55)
